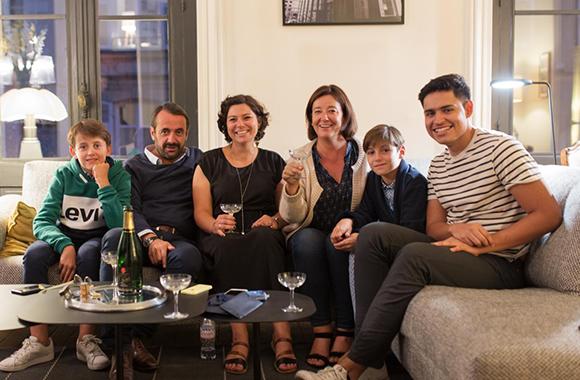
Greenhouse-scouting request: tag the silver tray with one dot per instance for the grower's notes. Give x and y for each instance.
(101, 299)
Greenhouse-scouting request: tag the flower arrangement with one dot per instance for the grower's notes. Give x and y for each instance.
(23, 45)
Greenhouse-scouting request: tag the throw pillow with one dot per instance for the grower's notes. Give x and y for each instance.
(555, 262)
(19, 232)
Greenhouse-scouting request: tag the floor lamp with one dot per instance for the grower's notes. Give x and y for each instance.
(517, 83)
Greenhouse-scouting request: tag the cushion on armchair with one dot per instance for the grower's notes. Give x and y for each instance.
(8, 203)
(554, 262)
(19, 232)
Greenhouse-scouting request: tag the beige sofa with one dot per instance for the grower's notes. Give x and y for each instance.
(531, 333)
(36, 178)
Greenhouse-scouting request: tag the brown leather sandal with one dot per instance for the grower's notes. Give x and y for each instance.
(240, 359)
(282, 357)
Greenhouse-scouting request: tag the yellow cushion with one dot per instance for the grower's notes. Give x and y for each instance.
(19, 234)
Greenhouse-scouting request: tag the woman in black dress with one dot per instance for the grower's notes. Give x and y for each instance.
(247, 249)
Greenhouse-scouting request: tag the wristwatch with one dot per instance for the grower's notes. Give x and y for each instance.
(148, 240)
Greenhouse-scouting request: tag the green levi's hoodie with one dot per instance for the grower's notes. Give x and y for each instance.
(75, 201)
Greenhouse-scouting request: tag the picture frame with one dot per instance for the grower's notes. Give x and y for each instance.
(544, 73)
(342, 12)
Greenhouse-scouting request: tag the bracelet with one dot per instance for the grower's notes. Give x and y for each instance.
(277, 219)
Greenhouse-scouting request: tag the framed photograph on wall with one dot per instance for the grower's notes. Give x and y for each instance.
(342, 12)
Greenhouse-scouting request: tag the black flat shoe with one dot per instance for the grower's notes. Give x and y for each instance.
(336, 355)
(322, 358)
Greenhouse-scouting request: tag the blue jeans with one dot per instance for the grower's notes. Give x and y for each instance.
(326, 276)
(40, 256)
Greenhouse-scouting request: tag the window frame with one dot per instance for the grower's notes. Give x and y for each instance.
(82, 19)
(504, 14)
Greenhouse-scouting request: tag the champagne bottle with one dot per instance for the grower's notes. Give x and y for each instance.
(130, 262)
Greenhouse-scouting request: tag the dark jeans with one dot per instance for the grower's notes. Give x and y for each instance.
(394, 263)
(40, 256)
(326, 276)
(185, 258)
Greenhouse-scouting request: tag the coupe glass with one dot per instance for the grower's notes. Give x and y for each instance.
(112, 258)
(175, 282)
(292, 280)
(231, 208)
(299, 156)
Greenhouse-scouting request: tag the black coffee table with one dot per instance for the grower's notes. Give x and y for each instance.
(48, 308)
(270, 311)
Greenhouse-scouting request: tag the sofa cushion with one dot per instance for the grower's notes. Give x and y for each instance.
(8, 203)
(19, 232)
(36, 178)
(554, 262)
(454, 333)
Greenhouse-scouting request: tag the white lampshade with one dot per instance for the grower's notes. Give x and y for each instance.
(42, 71)
(6, 70)
(16, 104)
(31, 104)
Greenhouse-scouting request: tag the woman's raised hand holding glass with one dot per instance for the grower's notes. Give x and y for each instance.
(299, 156)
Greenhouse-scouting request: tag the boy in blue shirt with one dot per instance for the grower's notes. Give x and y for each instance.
(395, 192)
(84, 200)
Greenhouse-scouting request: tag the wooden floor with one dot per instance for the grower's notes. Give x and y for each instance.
(176, 346)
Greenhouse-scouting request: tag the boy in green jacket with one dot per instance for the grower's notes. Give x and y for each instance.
(85, 200)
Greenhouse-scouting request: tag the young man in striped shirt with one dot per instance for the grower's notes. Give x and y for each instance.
(486, 203)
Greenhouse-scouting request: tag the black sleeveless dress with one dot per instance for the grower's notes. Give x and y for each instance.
(252, 260)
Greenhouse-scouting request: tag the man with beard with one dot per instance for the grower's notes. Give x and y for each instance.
(162, 203)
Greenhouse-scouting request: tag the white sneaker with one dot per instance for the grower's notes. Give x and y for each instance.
(329, 373)
(32, 352)
(88, 351)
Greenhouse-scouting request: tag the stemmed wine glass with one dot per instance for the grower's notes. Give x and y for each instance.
(300, 156)
(230, 208)
(112, 258)
(175, 282)
(292, 280)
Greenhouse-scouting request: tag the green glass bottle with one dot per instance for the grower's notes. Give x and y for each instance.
(130, 262)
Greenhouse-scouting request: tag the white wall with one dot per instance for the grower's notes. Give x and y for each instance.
(381, 67)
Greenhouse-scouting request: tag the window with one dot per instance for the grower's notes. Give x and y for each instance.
(112, 60)
(31, 56)
(545, 47)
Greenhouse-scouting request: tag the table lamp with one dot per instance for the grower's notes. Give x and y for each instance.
(29, 104)
(513, 83)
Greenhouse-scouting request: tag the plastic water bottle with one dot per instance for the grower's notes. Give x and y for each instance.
(207, 339)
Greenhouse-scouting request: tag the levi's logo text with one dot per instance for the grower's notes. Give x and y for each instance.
(81, 213)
